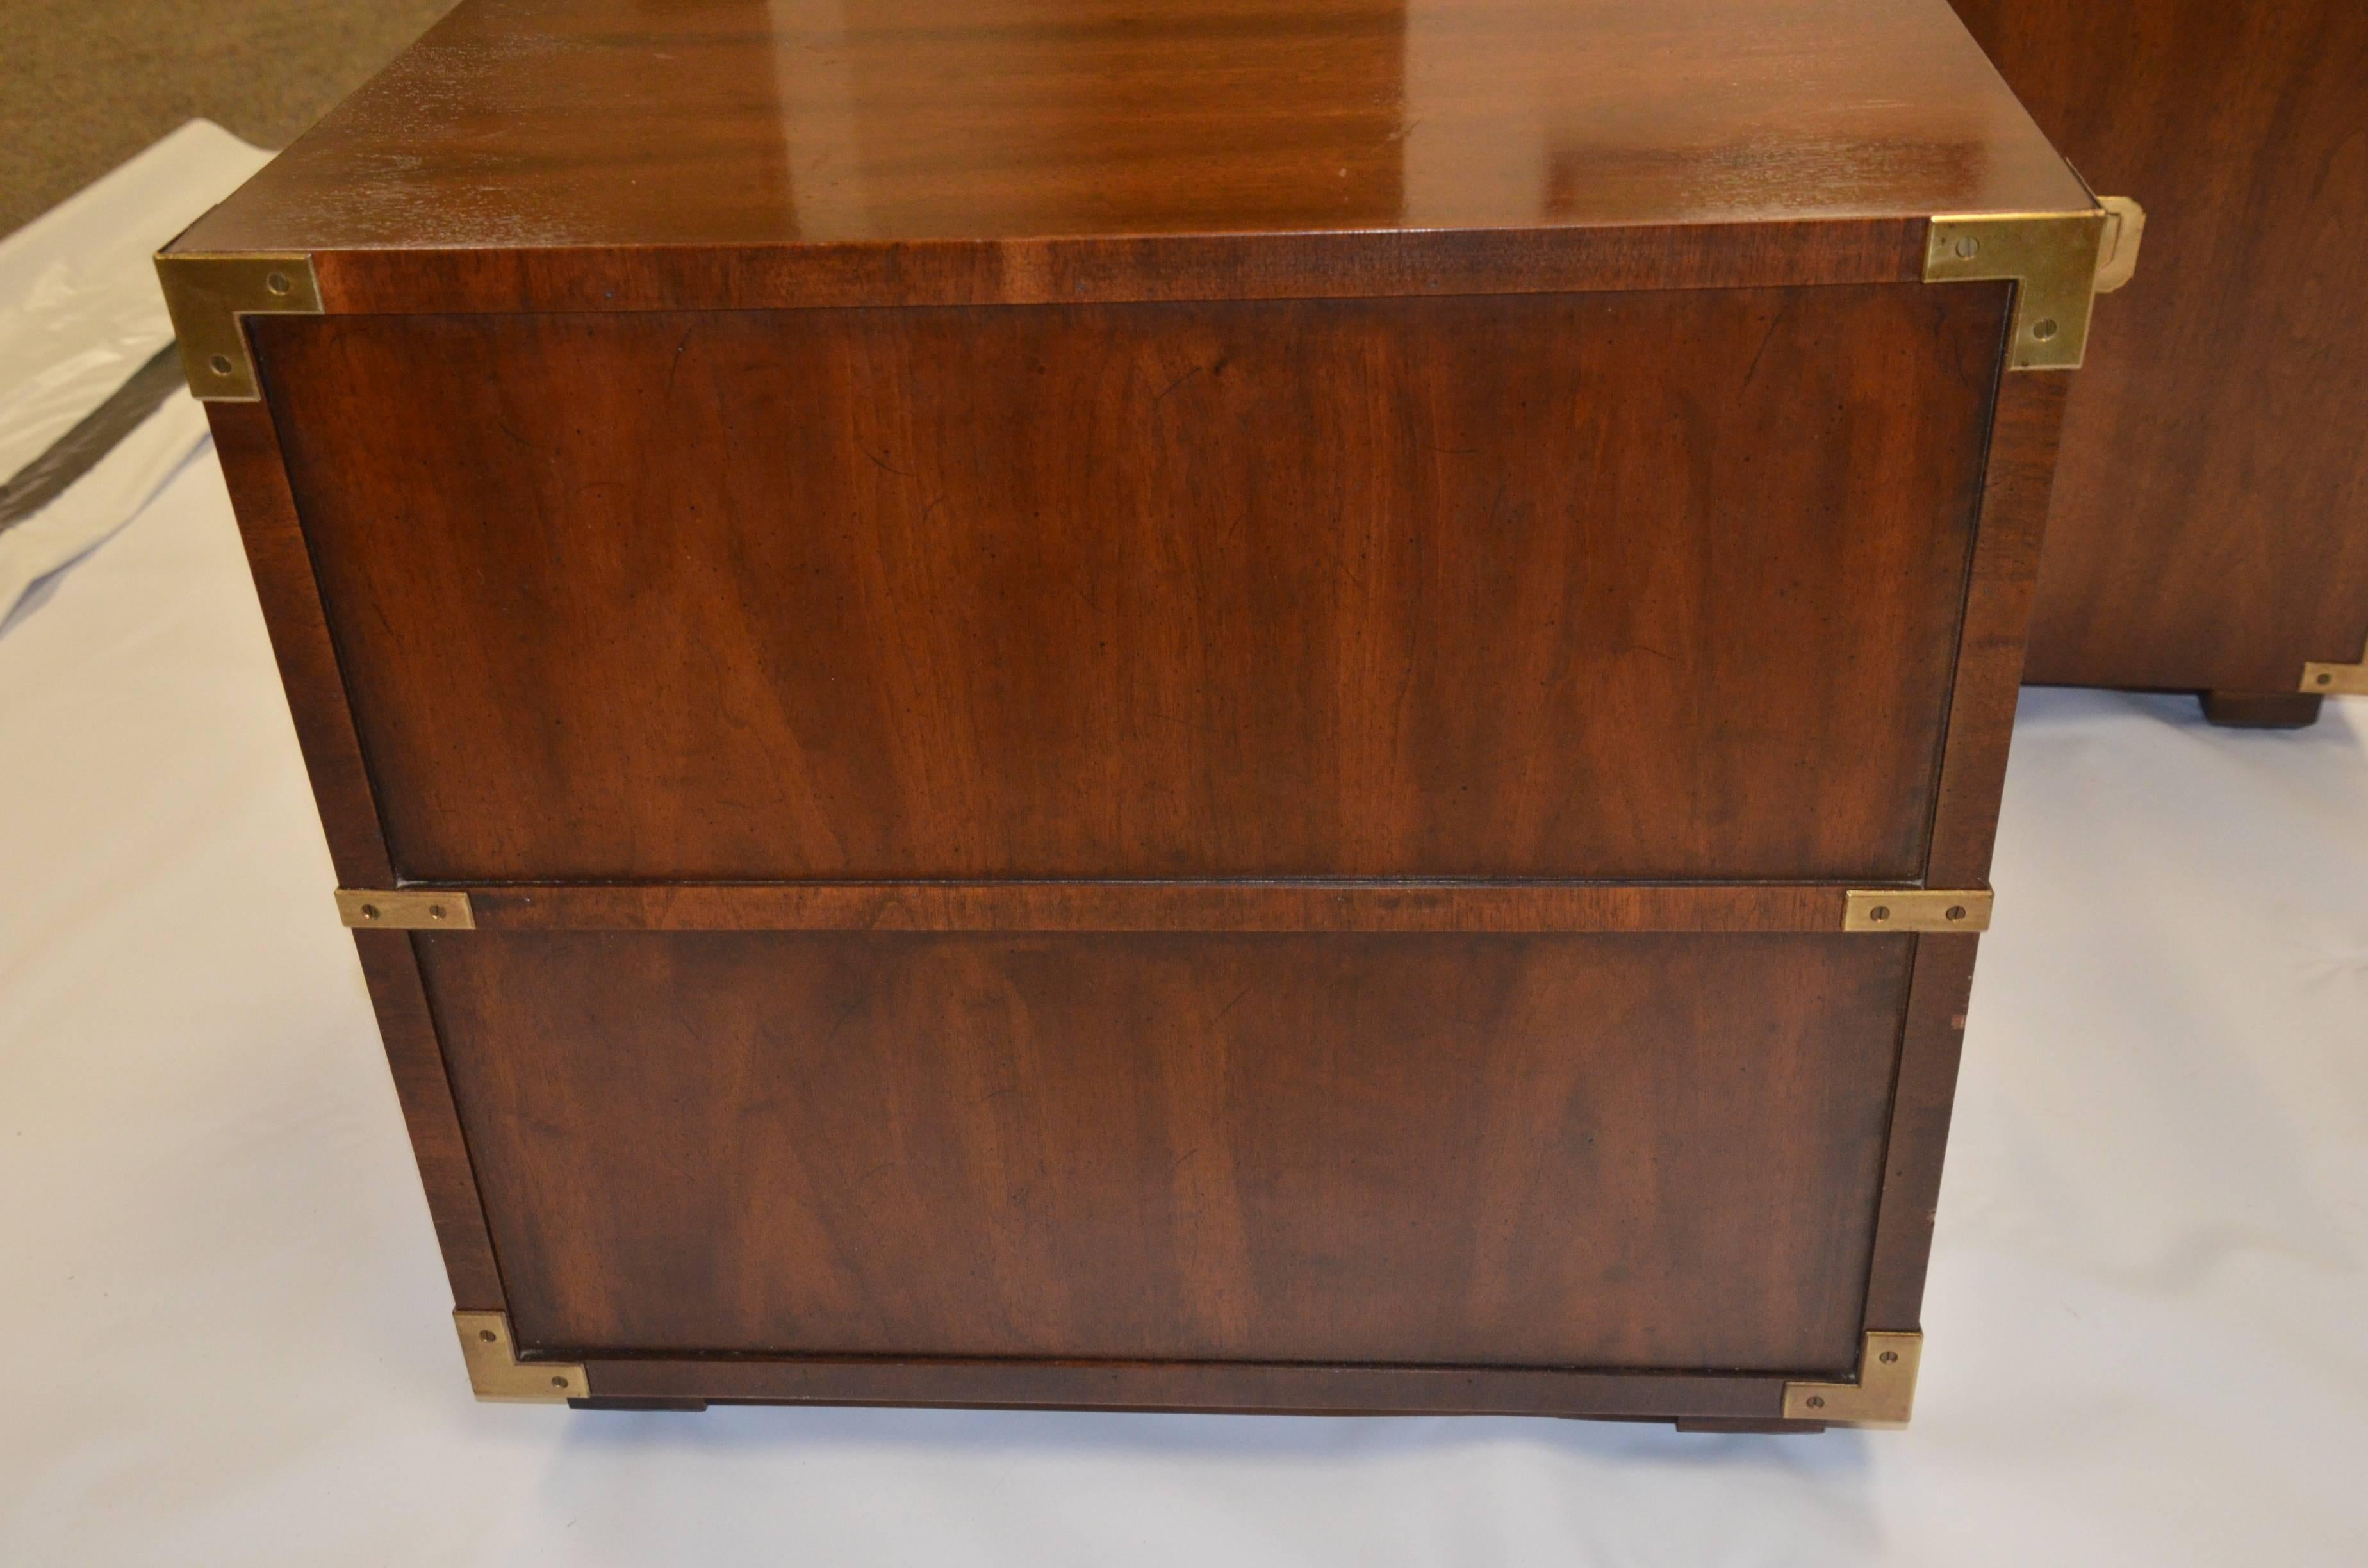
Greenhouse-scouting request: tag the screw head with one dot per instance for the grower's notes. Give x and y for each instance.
(1817, 1402)
(370, 912)
(559, 1383)
(1888, 1357)
(1969, 247)
(2324, 679)
(487, 1335)
(435, 912)
(1880, 911)
(277, 283)
(219, 364)
(1956, 912)
(2045, 329)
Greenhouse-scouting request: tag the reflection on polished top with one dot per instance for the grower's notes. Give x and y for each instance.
(523, 123)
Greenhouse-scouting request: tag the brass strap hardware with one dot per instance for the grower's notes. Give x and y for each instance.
(498, 1376)
(211, 297)
(407, 909)
(2060, 261)
(2124, 227)
(2321, 679)
(1916, 909)
(1883, 1395)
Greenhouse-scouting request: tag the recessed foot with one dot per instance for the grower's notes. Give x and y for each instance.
(693, 1405)
(2261, 710)
(1731, 1424)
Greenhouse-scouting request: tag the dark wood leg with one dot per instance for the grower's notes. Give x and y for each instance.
(690, 1406)
(1723, 1423)
(2261, 710)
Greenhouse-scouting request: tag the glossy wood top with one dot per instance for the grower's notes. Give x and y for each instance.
(601, 123)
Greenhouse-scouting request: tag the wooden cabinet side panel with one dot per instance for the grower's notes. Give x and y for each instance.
(278, 555)
(1608, 1151)
(1625, 585)
(2211, 517)
(1931, 1042)
(416, 1055)
(2015, 490)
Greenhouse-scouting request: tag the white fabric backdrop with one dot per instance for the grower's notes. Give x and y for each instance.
(224, 1330)
(79, 312)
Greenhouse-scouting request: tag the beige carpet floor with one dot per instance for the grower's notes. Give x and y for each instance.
(86, 83)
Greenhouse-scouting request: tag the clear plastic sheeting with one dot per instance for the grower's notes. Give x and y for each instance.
(227, 1336)
(79, 313)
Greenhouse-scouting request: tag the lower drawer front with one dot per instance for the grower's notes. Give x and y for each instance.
(1584, 1151)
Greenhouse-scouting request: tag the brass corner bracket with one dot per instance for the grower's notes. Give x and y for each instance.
(1883, 1395)
(211, 296)
(2060, 261)
(1898, 909)
(498, 1376)
(2322, 680)
(407, 909)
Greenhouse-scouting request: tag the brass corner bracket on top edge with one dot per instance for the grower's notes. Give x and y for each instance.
(1883, 1395)
(211, 296)
(2061, 261)
(499, 1377)
(2322, 680)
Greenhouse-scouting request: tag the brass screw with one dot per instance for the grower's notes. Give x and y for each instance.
(1817, 1402)
(1880, 911)
(220, 364)
(1969, 247)
(2045, 330)
(370, 912)
(435, 912)
(487, 1335)
(2324, 679)
(1888, 1357)
(559, 1383)
(1956, 912)
(276, 283)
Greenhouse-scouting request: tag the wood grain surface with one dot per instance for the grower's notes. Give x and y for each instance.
(2027, 419)
(528, 124)
(1314, 904)
(1643, 585)
(1606, 1152)
(2211, 520)
(281, 561)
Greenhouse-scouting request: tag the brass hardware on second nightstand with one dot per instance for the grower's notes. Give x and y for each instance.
(2323, 679)
(2124, 227)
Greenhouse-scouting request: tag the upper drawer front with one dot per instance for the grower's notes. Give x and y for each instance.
(1636, 585)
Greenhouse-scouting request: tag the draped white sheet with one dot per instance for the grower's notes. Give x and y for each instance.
(79, 311)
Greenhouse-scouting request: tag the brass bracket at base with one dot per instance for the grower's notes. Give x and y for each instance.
(1916, 909)
(407, 909)
(211, 296)
(2060, 261)
(2322, 680)
(1883, 1395)
(499, 1377)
